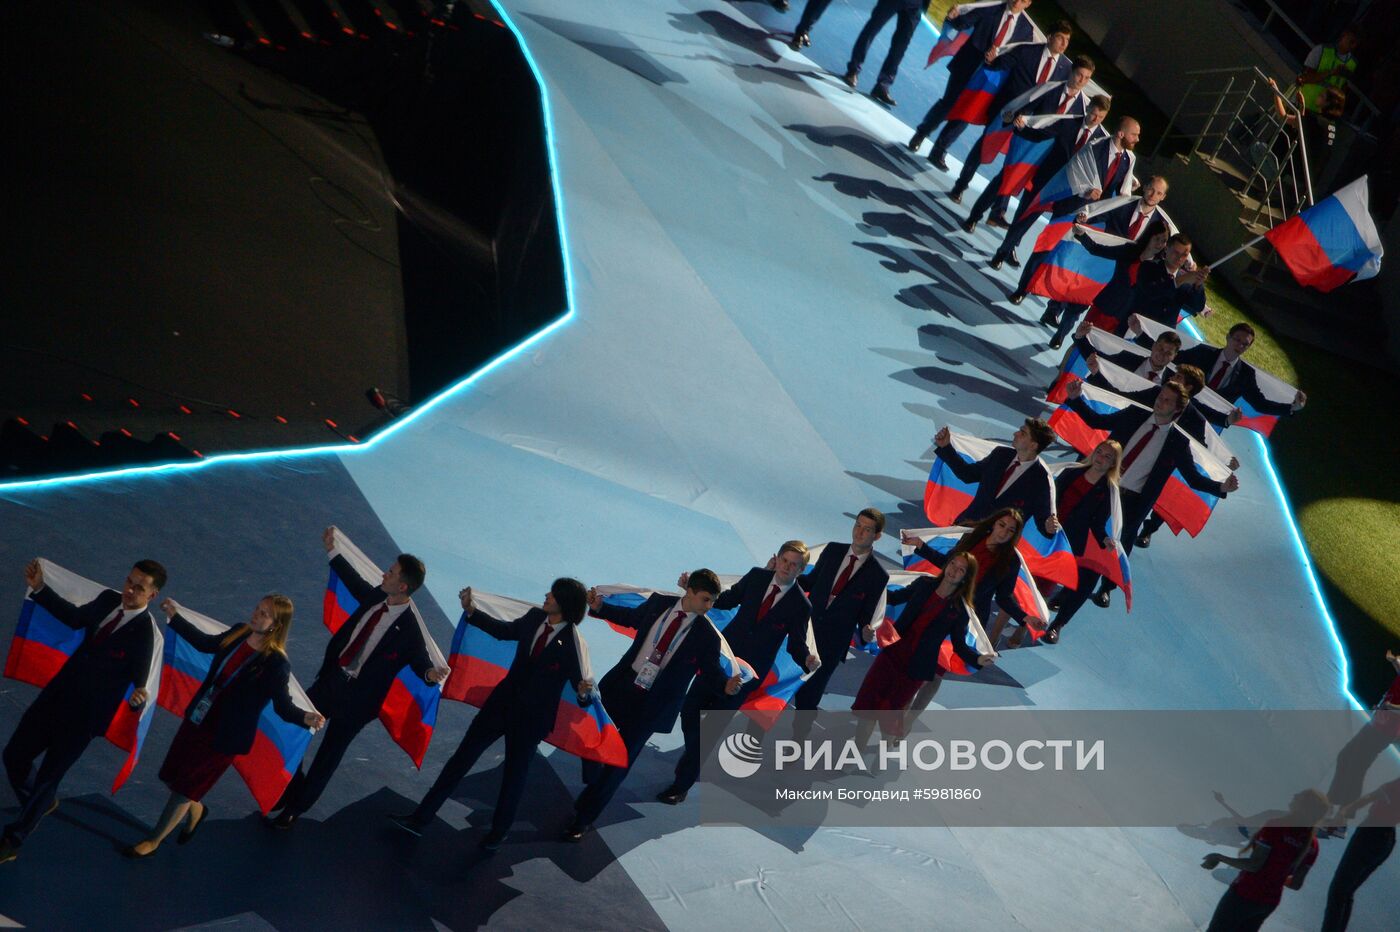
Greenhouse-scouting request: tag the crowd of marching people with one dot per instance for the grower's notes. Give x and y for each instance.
(1014, 539)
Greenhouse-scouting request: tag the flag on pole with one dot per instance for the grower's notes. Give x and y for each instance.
(1332, 242)
(42, 645)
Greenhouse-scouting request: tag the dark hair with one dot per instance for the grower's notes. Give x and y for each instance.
(1040, 432)
(1100, 101)
(1191, 377)
(1158, 225)
(1061, 26)
(1241, 326)
(1169, 336)
(703, 580)
(571, 597)
(1004, 557)
(152, 569)
(1183, 394)
(1180, 239)
(965, 588)
(874, 514)
(1084, 61)
(411, 571)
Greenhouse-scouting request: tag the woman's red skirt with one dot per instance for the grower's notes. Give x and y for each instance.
(192, 766)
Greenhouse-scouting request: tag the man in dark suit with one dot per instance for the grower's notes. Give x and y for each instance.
(79, 702)
(1026, 66)
(908, 12)
(1154, 367)
(523, 707)
(1166, 288)
(773, 610)
(1153, 448)
(1008, 477)
(847, 592)
(1233, 378)
(644, 691)
(1064, 98)
(364, 656)
(1101, 168)
(991, 28)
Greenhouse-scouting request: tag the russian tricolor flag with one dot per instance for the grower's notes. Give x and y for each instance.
(1048, 557)
(42, 645)
(479, 662)
(945, 495)
(1187, 509)
(943, 540)
(1023, 159)
(1332, 242)
(1072, 429)
(950, 37)
(409, 712)
(1071, 273)
(278, 746)
(1076, 367)
(1273, 389)
(1111, 562)
(974, 104)
(1026, 593)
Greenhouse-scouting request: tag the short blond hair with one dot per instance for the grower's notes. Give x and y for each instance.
(796, 546)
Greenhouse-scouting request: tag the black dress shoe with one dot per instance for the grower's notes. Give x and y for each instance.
(1053, 605)
(492, 841)
(781, 5)
(969, 226)
(915, 141)
(8, 851)
(1049, 319)
(995, 266)
(850, 78)
(799, 39)
(671, 796)
(1016, 297)
(187, 833)
(882, 96)
(997, 223)
(1052, 633)
(1103, 598)
(283, 821)
(939, 161)
(1056, 343)
(955, 196)
(1012, 261)
(806, 40)
(409, 823)
(574, 833)
(1143, 541)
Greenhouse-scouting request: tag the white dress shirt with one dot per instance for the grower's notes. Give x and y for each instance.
(1136, 475)
(657, 631)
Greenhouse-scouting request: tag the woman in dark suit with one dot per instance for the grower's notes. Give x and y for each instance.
(935, 609)
(249, 669)
(1084, 495)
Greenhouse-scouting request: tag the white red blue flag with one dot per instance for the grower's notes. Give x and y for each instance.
(1332, 242)
(950, 37)
(1026, 593)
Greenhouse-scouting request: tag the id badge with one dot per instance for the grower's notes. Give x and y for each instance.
(201, 709)
(648, 675)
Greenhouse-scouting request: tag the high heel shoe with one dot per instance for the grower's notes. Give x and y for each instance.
(187, 833)
(131, 853)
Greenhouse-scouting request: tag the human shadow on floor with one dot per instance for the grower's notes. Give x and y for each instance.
(760, 42)
(611, 46)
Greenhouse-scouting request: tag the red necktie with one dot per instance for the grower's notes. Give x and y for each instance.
(540, 642)
(1083, 137)
(1001, 33)
(670, 635)
(1113, 171)
(1137, 225)
(1153, 375)
(107, 628)
(1139, 446)
(1006, 477)
(841, 580)
(1045, 71)
(768, 602)
(1219, 375)
(348, 656)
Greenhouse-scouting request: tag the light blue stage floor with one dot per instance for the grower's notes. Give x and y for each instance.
(774, 313)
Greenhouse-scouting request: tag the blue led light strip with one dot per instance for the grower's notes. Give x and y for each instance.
(417, 411)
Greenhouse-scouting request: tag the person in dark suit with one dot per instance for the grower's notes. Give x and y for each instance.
(908, 13)
(523, 707)
(1085, 497)
(1060, 98)
(249, 670)
(1155, 367)
(1111, 307)
(1153, 450)
(847, 592)
(644, 691)
(991, 28)
(1231, 377)
(1025, 66)
(1105, 168)
(1008, 477)
(384, 635)
(773, 612)
(79, 702)
(935, 609)
(1166, 288)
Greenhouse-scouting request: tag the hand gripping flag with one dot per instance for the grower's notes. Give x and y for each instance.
(945, 495)
(996, 140)
(1332, 242)
(409, 712)
(1025, 592)
(479, 662)
(942, 539)
(42, 645)
(1075, 367)
(1072, 274)
(1079, 176)
(278, 746)
(1184, 508)
(1108, 561)
(1073, 430)
(951, 38)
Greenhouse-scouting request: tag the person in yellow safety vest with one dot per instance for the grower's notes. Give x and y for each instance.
(1328, 66)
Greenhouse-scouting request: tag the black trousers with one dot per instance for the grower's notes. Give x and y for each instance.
(1234, 913)
(1072, 600)
(41, 731)
(604, 781)
(908, 12)
(987, 198)
(1354, 760)
(1367, 850)
(484, 731)
(960, 71)
(1135, 512)
(1069, 315)
(310, 782)
(704, 695)
(810, 14)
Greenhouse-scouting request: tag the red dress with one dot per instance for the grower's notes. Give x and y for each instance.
(192, 766)
(888, 686)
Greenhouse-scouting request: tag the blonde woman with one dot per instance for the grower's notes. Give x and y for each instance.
(1084, 496)
(249, 669)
